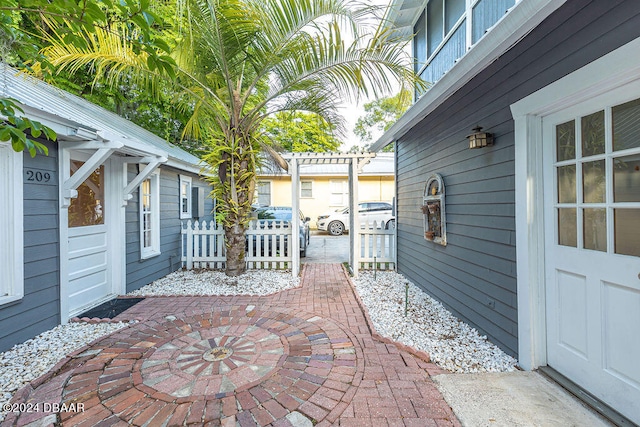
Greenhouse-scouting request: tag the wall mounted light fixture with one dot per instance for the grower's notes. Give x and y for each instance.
(479, 139)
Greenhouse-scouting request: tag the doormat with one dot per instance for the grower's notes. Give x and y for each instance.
(111, 309)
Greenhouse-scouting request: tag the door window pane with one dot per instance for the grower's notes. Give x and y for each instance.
(626, 125)
(626, 179)
(566, 141)
(567, 235)
(627, 231)
(592, 127)
(595, 229)
(88, 208)
(593, 182)
(567, 184)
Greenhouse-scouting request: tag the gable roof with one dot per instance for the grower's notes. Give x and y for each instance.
(76, 116)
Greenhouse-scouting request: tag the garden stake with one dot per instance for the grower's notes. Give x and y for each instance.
(406, 298)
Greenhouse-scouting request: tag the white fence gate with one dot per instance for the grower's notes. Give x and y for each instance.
(377, 247)
(268, 245)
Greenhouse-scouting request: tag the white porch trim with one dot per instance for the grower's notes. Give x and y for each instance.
(612, 71)
(150, 168)
(12, 227)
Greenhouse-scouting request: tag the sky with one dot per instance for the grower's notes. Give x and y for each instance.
(351, 111)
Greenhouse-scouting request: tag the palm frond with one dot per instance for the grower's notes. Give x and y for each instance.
(111, 54)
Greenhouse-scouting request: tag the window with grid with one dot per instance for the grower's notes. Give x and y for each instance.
(264, 193)
(150, 217)
(185, 197)
(597, 172)
(306, 189)
(339, 192)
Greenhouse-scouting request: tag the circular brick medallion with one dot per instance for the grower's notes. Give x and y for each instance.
(217, 354)
(264, 360)
(211, 360)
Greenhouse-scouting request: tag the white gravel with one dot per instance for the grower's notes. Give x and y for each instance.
(452, 344)
(27, 361)
(206, 282)
(428, 326)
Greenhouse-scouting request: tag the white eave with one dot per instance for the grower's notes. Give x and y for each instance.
(402, 14)
(517, 23)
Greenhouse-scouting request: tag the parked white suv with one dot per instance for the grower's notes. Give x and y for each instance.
(337, 222)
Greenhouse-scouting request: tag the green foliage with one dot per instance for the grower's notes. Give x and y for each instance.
(18, 129)
(235, 64)
(381, 114)
(27, 26)
(300, 132)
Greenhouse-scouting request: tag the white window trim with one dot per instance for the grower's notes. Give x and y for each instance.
(185, 215)
(154, 249)
(310, 182)
(11, 226)
(602, 77)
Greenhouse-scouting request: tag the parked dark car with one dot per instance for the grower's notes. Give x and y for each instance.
(270, 216)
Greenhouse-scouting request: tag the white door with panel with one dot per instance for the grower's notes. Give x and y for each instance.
(89, 278)
(592, 246)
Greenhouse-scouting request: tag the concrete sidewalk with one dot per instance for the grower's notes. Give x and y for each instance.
(514, 399)
(300, 358)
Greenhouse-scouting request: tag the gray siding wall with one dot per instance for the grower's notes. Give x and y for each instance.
(141, 272)
(475, 274)
(39, 310)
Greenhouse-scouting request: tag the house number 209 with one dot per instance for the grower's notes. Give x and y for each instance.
(37, 176)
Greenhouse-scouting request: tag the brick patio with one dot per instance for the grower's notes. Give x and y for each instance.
(302, 357)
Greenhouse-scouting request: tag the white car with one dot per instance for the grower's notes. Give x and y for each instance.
(337, 222)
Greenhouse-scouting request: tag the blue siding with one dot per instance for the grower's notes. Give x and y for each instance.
(141, 272)
(39, 310)
(446, 58)
(475, 274)
(486, 13)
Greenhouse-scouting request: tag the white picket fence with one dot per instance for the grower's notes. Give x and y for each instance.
(267, 247)
(270, 247)
(377, 247)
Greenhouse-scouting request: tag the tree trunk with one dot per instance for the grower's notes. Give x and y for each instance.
(236, 173)
(235, 246)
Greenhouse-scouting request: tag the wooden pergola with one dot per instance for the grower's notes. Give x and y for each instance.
(356, 162)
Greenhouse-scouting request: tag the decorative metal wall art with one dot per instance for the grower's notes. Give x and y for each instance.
(433, 209)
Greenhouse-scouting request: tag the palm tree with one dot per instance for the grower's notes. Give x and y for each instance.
(241, 61)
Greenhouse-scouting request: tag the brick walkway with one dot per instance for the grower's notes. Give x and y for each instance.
(299, 358)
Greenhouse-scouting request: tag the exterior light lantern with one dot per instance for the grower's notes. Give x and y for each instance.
(479, 139)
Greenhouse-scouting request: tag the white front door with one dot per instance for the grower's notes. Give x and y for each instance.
(89, 278)
(592, 246)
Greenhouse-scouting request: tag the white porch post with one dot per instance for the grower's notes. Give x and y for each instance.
(295, 216)
(354, 220)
